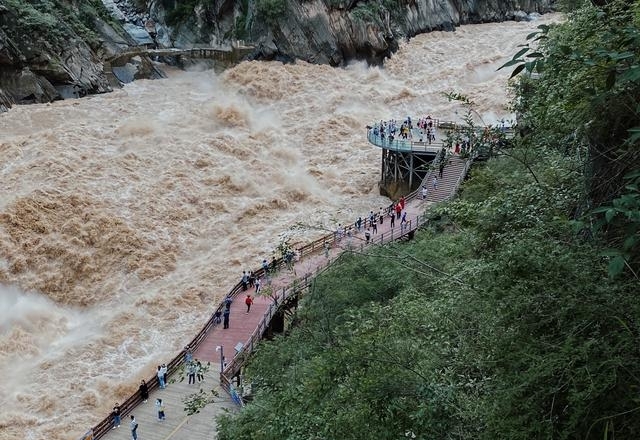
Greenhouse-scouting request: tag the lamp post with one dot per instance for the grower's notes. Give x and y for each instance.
(220, 348)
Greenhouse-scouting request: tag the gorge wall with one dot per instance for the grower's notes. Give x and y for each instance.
(54, 49)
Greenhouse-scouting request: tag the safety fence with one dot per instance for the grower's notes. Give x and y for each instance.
(346, 239)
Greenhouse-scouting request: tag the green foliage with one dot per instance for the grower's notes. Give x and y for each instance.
(194, 402)
(181, 11)
(51, 22)
(271, 10)
(498, 321)
(570, 5)
(586, 103)
(623, 216)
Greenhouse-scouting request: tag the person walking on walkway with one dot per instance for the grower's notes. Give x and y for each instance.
(424, 192)
(434, 181)
(367, 235)
(225, 318)
(393, 218)
(160, 408)
(248, 301)
(200, 371)
(116, 416)
(257, 284)
(134, 428)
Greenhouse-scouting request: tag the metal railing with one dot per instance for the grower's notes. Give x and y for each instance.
(403, 144)
(299, 284)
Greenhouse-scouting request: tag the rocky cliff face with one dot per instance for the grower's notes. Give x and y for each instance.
(47, 53)
(328, 31)
(53, 49)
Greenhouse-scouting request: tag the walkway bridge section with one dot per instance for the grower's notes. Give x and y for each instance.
(228, 350)
(406, 161)
(233, 54)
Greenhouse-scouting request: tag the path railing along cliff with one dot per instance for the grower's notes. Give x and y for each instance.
(346, 241)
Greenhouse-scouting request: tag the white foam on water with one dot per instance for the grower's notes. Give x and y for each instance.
(125, 217)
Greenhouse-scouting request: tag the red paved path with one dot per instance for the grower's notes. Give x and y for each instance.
(242, 325)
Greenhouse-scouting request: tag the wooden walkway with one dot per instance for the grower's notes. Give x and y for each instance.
(177, 425)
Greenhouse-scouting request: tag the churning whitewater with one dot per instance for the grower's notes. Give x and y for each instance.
(125, 217)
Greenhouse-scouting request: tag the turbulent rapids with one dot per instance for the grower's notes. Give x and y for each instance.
(125, 217)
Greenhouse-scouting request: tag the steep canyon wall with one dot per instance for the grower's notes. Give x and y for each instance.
(54, 49)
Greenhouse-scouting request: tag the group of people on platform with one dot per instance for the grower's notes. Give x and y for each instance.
(388, 130)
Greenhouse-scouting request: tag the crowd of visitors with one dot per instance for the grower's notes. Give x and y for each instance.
(423, 130)
(367, 226)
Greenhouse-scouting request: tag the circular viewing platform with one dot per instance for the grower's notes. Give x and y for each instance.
(426, 136)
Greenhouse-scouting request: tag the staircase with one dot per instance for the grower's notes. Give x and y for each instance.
(447, 185)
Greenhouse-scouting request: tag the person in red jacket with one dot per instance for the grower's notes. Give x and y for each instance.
(398, 210)
(248, 301)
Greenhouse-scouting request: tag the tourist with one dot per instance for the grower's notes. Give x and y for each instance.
(199, 371)
(191, 372)
(257, 284)
(165, 372)
(244, 280)
(367, 235)
(424, 192)
(434, 182)
(134, 428)
(116, 416)
(160, 408)
(144, 391)
(188, 355)
(248, 301)
(160, 375)
(225, 318)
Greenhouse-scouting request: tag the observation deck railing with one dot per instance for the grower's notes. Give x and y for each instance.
(346, 239)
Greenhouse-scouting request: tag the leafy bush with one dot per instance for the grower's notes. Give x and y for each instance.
(497, 321)
(271, 10)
